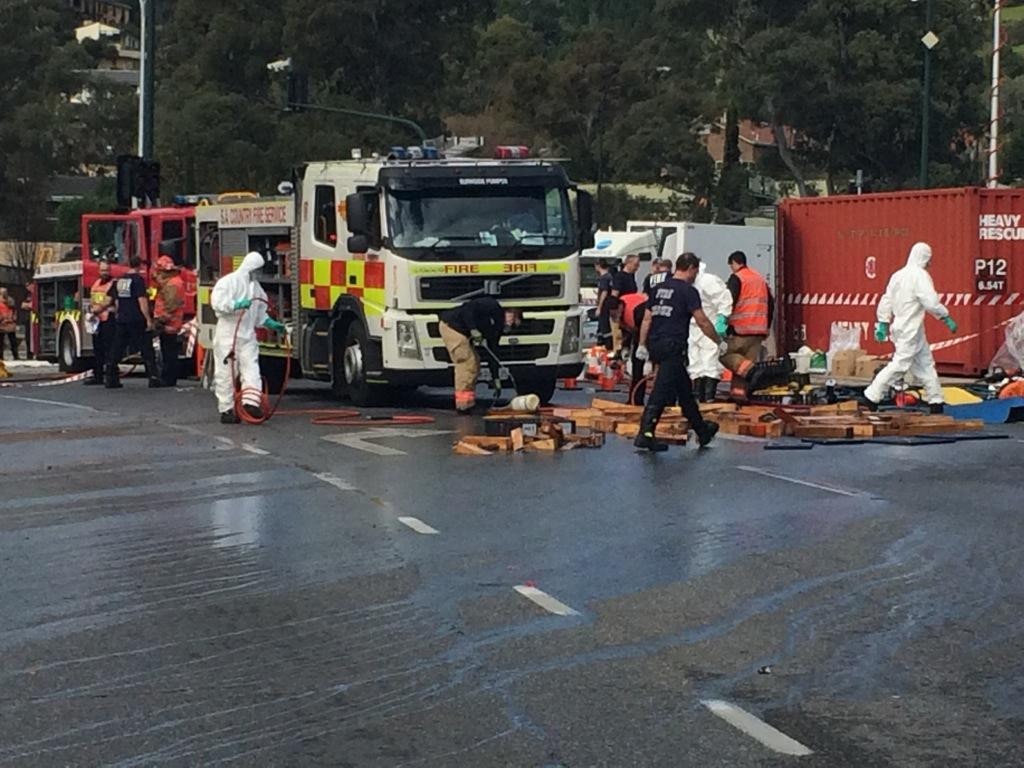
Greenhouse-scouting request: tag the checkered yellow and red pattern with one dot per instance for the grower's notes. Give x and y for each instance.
(324, 281)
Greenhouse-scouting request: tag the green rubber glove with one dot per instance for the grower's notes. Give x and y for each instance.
(881, 332)
(274, 325)
(476, 337)
(242, 304)
(721, 324)
(950, 323)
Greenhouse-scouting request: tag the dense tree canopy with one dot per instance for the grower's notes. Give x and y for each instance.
(622, 89)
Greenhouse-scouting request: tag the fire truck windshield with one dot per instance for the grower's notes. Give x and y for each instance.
(113, 240)
(481, 222)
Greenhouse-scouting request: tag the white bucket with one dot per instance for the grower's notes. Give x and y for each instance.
(525, 403)
(802, 360)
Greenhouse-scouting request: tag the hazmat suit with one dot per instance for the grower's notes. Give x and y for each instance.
(703, 353)
(233, 295)
(908, 297)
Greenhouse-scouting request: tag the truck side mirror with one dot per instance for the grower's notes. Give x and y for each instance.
(361, 215)
(358, 244)
(585, 214)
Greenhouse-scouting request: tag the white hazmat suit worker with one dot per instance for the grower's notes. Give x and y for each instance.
(704, 366)
(909, 296)
(239, 302)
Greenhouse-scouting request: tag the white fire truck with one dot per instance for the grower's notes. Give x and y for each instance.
(367, 252)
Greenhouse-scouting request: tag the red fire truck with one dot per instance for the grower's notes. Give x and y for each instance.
(61, 289)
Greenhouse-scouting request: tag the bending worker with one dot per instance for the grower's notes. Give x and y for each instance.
(909, 295)
(478, 321)
(666, 329)
(705, 367)
(241, 307)
(752, 310)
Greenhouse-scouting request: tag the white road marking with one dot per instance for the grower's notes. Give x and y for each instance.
(51, 402)
(334, 480)
(255, 450)
(756, 728)
(806, 483)
(418, 525)
(360, 441)
(226, 442)
(546, 601)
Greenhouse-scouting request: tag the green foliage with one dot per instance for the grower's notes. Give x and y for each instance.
(69, 215)
(621, 88)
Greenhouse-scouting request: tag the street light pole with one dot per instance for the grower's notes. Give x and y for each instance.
(930, 41)
(146, 78)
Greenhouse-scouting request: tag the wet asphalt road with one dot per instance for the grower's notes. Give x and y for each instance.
(178, 592)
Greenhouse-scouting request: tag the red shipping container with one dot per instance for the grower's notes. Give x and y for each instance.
(836, 255)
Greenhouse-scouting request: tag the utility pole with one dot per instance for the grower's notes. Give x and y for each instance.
(930, 40)
(993, 139)
(146, 78)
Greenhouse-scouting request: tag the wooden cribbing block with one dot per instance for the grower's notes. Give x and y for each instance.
(542, 445)
(489, 443)
(462, 448)
(595, 440)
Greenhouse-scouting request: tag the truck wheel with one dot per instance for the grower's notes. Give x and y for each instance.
(542, 387)
(273, 369)
(349, 376)
(67, 357)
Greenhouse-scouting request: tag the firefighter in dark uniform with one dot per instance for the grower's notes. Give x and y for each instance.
(477, 322)
(664, 338)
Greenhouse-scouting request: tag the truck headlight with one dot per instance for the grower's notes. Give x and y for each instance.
(571, 337)
(408, 340)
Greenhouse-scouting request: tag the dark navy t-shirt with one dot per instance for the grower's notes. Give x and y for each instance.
(128, 289)
(672, 306)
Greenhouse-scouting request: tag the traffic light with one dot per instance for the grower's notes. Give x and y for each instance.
(148, 184)
(298, 91)
(127, 168)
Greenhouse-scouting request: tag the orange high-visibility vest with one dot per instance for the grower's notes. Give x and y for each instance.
(750, 313)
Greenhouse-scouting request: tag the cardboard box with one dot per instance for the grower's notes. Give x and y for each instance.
(844, 364)
(867, 365)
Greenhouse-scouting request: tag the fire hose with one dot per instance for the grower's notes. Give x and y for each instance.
(323, 417)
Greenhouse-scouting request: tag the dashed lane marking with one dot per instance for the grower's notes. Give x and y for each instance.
(337, 482)
(805, 483)
(254, 450)
(418, 525)
(756, 728)
(74, 406)
(546, 601)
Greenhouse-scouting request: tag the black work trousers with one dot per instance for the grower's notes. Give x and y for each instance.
(130, 335)
(102, 345)
(672, 385)
(169, 349)
(12, 340)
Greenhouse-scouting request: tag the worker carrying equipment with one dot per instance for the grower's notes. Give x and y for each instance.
(478, 321)
(664, 338)
(705, 367)
(908, 297)
(240, 304)
(753, 307)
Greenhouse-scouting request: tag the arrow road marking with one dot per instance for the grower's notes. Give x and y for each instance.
(360, 441)
(756, 728)
(546, 601)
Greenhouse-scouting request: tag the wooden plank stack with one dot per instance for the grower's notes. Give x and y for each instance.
(562, 429)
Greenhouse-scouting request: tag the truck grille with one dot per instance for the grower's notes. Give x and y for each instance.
(518, 353)
(528, 327)
(447, 288)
